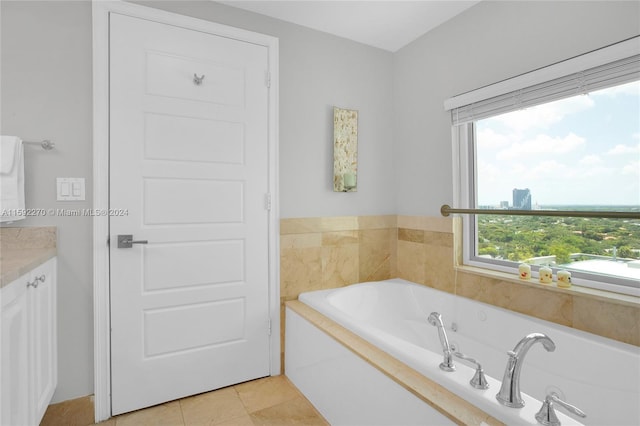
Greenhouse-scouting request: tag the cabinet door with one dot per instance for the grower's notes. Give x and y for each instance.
(14, 354)
(42, 308)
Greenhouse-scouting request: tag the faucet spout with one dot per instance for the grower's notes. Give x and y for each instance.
(435, 319)
(509, 394)
(525, 344)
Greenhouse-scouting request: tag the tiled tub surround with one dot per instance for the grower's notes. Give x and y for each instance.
(320, 253)
(22, 249)
(329, 252)
(426, 256)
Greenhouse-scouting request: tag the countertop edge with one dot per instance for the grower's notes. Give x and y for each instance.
(19, 262)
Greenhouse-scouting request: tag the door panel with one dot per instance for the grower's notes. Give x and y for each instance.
(15, 356)
(189, 162)
(203, 263)
(192, 201)
(202, 140)
(171, 75)
(177, 329)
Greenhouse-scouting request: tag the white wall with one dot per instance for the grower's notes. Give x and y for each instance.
(318, 71)
(46, 94)
(46, 78)
(490, 42)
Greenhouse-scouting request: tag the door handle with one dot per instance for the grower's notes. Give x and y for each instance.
(126, 241)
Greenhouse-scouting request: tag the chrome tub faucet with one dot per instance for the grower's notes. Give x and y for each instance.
(435, 319)
(509, 394)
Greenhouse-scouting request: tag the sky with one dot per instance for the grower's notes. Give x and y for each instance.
(583, 150)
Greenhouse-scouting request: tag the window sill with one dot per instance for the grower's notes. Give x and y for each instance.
(574, 290)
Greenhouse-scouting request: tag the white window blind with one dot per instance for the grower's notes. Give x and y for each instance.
(581, 82)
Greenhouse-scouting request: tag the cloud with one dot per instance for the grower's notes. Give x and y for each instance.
(518, 169)
(632, 88)
(490, 139)
(551, 168)
(488, 171)
(590, 160)
(542, 144)
(557, 171)
(633, 169)
(624, 149)
(591, 172)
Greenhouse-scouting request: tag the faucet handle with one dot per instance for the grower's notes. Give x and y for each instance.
(478, 381)
(547, 415)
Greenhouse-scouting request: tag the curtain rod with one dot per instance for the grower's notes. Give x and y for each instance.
(446, 210)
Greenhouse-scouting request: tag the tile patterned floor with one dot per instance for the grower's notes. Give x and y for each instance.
(269, 401)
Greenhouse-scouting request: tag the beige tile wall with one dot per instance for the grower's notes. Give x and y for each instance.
(426, 256)
(330, 252)
(321, 253)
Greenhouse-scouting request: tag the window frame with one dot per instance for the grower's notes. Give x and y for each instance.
(469, 107)
(464, 196)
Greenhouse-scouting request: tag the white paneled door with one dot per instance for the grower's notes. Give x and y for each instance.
(189, 169)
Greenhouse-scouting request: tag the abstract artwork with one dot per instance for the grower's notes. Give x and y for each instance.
(345, 150)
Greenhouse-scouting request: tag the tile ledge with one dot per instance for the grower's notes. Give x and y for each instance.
(574, 290)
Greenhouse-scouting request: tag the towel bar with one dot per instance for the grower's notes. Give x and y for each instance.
(46, 144)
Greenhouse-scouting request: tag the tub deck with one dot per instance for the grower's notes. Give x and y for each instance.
(446, 402)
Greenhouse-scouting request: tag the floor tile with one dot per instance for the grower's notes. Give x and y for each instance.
(168, 414)
(110, 422)
(297, 411)
(244, 420)
(76, 412)
(259, 394)
(212, 407)
(268, 401)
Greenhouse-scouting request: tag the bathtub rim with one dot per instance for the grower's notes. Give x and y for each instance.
(311, 297)
(441, 399)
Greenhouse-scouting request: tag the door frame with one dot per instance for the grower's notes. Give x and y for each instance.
(101, 278)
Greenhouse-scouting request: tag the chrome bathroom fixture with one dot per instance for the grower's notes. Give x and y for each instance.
(478, 381)
(547, 415)
(126, 241)
(197, 80)
(509, 394)
(446, 210)
(46, 144)
(435, 319)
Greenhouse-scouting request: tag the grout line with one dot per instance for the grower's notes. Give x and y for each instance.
(184, 422)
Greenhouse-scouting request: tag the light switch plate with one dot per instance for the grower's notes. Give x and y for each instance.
(70, 189)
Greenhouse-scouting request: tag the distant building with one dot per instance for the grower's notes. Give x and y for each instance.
(521, 199)
(504, 204)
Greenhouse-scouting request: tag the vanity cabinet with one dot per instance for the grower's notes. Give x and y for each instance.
(28, 351)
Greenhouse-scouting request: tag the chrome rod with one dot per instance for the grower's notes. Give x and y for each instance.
(446, 210)
(46, 144)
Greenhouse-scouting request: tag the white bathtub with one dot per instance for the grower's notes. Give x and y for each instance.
(598, 375)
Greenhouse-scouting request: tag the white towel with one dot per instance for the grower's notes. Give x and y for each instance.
(11, 178)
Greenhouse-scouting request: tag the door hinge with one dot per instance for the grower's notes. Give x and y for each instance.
(267, 201)
(267, 79)
(269, 327)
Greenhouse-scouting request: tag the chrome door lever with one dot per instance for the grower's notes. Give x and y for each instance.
(126, 241)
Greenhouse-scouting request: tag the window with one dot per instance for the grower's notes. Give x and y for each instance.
(570, 143)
